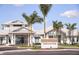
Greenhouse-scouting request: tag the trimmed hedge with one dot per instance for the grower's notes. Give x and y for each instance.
(36, 45)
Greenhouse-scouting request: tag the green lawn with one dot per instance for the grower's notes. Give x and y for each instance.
(69, 46)
(23, 46)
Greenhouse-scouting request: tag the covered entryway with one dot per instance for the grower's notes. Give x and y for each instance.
(21, 39)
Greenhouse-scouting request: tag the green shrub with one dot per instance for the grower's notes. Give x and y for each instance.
(36, 45)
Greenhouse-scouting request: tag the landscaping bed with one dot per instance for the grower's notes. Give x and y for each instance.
(35, 46)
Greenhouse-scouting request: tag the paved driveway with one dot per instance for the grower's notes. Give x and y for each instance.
(43, 53)
(51, 52)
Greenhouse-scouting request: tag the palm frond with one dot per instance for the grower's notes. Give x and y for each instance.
(71, 26)
(57, 25)
(27, 18)
(33, 18)
(45, 8)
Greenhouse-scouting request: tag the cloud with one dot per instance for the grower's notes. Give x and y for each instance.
(18, 5)
(70, 13)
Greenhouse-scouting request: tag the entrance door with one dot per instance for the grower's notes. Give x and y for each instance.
(19, 39)
(22, 40)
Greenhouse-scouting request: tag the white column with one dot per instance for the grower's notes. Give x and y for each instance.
(4, 41)
(68, 40)
(28, 39)
(31, 37)
(75, 39)
(12, 39)
(47, 36)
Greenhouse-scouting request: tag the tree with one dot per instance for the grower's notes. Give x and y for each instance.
(71, 27)
(45, 9)
(57, 27)
(32, 19)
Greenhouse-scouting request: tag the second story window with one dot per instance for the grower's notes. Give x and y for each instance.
(2, 28)
(7, 26)
(50, 36)
(17, 25)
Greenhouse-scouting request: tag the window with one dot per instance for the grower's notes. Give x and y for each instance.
(9, 40)
(17, 25)
(50, 36)
(77, 39)
(25, 25)
(37, 39)
(7, 26)
(50, 33)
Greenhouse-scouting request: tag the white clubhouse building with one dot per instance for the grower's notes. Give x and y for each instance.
(14, 32)
(17, 32)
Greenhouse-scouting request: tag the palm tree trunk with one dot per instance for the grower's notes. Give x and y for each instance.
(72, 38)
(28, 39)
(60, 36)
(57, 35)
(31, 35)
(70, 35)
(44, 27)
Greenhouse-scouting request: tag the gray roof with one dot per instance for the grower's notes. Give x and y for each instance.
(15, 22)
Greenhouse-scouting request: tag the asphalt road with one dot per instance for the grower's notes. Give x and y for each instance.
(43, 53)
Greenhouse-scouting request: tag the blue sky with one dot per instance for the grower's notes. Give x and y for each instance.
(67, 13)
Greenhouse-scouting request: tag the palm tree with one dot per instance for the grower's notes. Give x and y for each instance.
(71, 27)
(45, 9)
(32, 19)
(57, 27)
